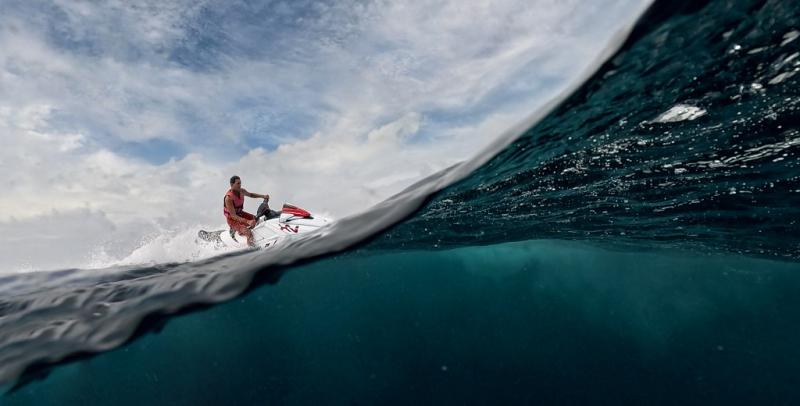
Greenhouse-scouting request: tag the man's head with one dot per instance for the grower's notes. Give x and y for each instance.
(236, 183)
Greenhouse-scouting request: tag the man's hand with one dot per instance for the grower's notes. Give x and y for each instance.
(251, 223)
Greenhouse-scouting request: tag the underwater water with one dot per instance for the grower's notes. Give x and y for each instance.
(527, 322)
(638, 245)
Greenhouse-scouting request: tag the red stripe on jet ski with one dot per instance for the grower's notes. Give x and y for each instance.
(296, 211)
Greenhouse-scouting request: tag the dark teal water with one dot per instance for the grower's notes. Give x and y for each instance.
(529, 322)
(611, 254)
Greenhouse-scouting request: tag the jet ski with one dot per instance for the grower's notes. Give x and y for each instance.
(271, 226)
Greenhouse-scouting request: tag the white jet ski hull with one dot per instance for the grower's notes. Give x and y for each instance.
(268, 231)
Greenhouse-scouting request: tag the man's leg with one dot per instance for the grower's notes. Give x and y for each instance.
(247, 232)
(249, 235)
(243, 229)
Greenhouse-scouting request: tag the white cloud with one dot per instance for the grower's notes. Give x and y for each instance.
(52, 241)
(396, 131)
(334, 108)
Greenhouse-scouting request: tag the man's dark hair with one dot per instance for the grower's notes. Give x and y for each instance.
(234, 178)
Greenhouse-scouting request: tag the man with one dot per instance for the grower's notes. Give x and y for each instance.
(233, 208)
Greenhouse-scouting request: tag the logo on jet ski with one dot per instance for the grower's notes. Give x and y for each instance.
(289, 228)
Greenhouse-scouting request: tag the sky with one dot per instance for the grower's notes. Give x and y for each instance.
(121, 121)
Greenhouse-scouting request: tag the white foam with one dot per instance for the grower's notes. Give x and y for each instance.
(679, 112)
(789, 37)
(168, 246)
(781, 77)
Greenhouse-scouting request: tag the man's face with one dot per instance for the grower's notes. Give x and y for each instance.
(237, 185)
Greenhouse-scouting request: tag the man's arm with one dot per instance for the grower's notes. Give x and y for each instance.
(232, 211)
(248, 194)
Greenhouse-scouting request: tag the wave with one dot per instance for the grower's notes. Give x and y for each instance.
(688, 138)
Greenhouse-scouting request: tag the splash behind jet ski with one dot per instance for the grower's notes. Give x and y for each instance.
(270, 227)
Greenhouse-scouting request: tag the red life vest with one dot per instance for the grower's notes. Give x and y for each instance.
(238, 203)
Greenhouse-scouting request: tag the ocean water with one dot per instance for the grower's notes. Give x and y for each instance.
(637, 245)
(528, 322)
(687, 138)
